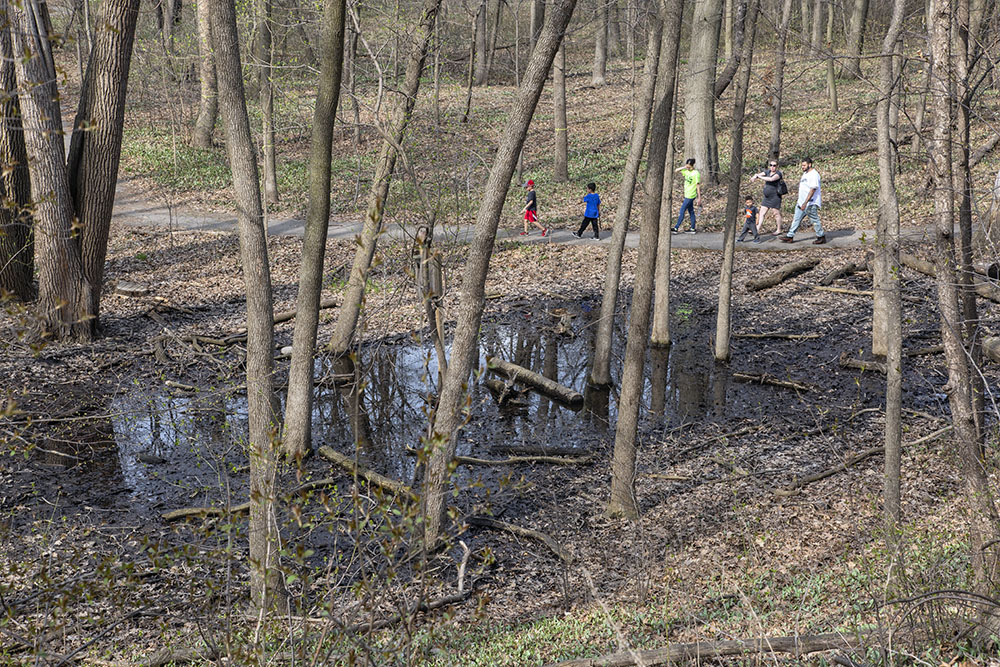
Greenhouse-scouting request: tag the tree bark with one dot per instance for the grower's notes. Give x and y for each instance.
(660, 329)
(723, 321)
(481, 40)
(622, 501)
(982, 514)
(298, 409)
(727, 31)
(700, 140)
(779, 81)
(399, 118)
(733, 62)
(264, 14)
(17, 251)
(831, 74)
(855, 39)
(816, 40)
(560, 166)
(64, 294)
(804, 23)
(448, 417)
(266, 585)
(601, 45)
(601, 373)
(208, 105)
(537, 21)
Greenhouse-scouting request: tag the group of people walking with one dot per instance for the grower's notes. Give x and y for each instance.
(809, 201)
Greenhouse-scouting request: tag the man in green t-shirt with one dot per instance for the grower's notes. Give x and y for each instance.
(692, 194)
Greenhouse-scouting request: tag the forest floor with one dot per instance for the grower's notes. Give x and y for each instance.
(105, 438)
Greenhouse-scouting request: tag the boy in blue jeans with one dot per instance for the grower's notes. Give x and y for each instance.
(592, 214)
(750, 221)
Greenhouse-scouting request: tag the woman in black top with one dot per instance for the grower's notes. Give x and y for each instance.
(772, 196)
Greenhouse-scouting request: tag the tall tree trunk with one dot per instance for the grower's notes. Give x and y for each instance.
(614, 28)
(494, 34)
(64, 294)
(471, 74)
(482, 42)
(622, 501)
(264, 13)
(601, 44)
(817, 26)
(982, 514)
(208, 105)
(728, 18)
(266, 587)
(298, 409)
(887, 309)
(726, 77)
(723, 321)
(659, 336)
(779, 81)
(855, 40)
(448, 417)
(804, 23)
(560, 166)
(398, 119)
(17, 251)
(831, 74)
(601, 373)
(537, 21)
(353, 55)
(699, 105)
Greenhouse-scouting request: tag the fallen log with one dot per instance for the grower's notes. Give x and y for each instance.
(191, 512)
(779, 334)
(559, 550)
(984, 289)
(797, 485)
(843, 290)
(991, 348)
(763, 378)
(861, 364)
(535, 450)
(515, 460)
(504, 393)
(369, 476)
(698, 651)
(781, 274)
(923, 351)
(539, 383)
(839, 272)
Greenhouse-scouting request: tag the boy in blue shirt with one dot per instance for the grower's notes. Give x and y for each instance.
(593, 211)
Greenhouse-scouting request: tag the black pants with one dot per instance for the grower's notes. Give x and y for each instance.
(590, 221)
(749, 226)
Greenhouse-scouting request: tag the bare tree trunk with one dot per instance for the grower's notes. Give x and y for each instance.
(437, 67)
(660, 334)
(560, 167)
(537, 21)
(601, 373)
(920, 113)
(208, 105)
(622, 501)
(17, 251)
(353, 55)
(779, 81)
(481, 40)
(817, 26)
(601, 44)
(982, 514)
(264, 41)
(298, 409)
(727, 31)
(887, 309)
(266, 586)
(64, 294)
(614, 28)
(855, 40)
(493, 40)
(722, 83)
(699, 105)
(723, 321)
(470, 78)
(831, 74)
(399, 118)
(449, 417)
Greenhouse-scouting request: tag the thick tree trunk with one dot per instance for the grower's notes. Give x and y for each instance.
(614, 28)
(449, 417)
(208, 105)
(728, 17)
(298, 409)
(804, 22)
(399, 118)
(816, 39)
(622, 501)
(17, 251)
(733, 63)
(855, 40)
(560, 165)
(64, 294)
(779, 81)
(482, 42)
(982, 514)
(601, 44)
(266, 587)
(723, 320)
(659, 336)
(264, 13)
(601, 373)
(699, 105)
(537, 21)
(887, 333)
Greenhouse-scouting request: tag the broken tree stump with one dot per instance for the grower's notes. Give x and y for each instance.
(539, 383)
(781, 274)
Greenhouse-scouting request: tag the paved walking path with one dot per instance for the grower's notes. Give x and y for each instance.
(134, 209)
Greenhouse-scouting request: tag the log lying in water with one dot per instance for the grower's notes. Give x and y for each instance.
(781, 274)
(539, 383)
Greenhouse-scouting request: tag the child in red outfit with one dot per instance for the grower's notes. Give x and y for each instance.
(530, 210)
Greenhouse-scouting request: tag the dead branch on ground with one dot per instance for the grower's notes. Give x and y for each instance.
(847, 361)
(779, 334)
(763, 378)
(781, 274)
(839, 272)
(556, 548)
(369, 476)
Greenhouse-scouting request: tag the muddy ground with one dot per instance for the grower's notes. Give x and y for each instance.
(101, 445)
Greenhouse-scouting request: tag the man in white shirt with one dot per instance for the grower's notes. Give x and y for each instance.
(810, 200)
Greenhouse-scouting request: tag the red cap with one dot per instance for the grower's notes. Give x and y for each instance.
(531, 183)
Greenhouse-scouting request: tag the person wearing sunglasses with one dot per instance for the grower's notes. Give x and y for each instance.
(774, 190)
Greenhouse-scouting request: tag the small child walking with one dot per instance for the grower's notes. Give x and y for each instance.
(530, 209)
(750, 221)
(592, 214)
